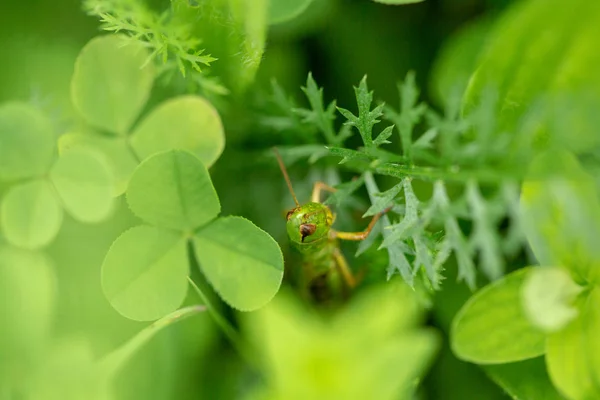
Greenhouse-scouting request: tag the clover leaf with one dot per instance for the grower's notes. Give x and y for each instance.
(110, 87)
(144, 273)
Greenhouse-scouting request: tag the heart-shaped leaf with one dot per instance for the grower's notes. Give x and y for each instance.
(31, 215)
(184, 123)
(492, 328)
(144, 273)
(242, 262)
(26, 142)
(173, 190)
(112, 82)
(84, 182)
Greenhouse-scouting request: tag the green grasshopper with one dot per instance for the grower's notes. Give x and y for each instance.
(309, 228)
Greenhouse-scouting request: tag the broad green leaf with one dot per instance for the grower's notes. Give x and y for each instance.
(549, 298)
(560, 208)
(545, 51)
(184, 123)
(27, 298)
(524, 380)
(241, 261)
(144, 273)
(573, 354)
(31, 215)
(111, 82)
(116, 151)
(310, 357)
(26, 142)
(486, 329)
(285, 10)
(84, 183)
(173, 190)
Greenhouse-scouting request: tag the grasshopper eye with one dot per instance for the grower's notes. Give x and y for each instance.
(307, 230)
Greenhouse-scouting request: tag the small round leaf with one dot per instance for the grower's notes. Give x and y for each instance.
(144, 273)
(173, 190)
(84, 183)
(31, 215)
(184, 123)
(109, 85)
(492, 328)
(26, 142)
(115, 150)
(27, 294)
(241, 261)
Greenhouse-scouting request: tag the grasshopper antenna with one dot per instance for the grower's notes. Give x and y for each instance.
(285, 175)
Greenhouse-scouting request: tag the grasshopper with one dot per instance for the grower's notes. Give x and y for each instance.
(325, 273)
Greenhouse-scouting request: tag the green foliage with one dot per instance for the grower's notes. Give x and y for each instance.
(441, 157)
(26, 142)
(559, 303)
(31, 215)
(192, 123)
(498, 304)
(285, 10)
(555, 72)
(353, 354)
(232, 30)
(187, 123)
(27, 288)
(173, 190)
(165, 36)
(242, 262)
(109, 87)
(524, 380)
(83, 181)
(397, 2)
(144, 273)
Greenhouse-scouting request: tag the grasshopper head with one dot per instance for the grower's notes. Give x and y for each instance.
(309, 223)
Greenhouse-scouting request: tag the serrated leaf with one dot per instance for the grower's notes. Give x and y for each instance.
(115, 150)
(173, 190)
(573, 354)
(383, 200)
(31, 215)
(560, 209)
(26, 142)
(366, 118)
(84, 182)
(383, 136)
(241, 261)
(109, 87)
(183, 123)
(347, 154)
(27, 300)
(485, 328)
(144, 273)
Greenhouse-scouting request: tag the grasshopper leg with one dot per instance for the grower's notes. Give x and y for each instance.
(316, 192)
(344, 268)
(360, 235)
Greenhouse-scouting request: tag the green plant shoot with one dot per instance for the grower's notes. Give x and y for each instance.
(325, 275)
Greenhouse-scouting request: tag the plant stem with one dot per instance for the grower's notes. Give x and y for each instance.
(233, 336)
